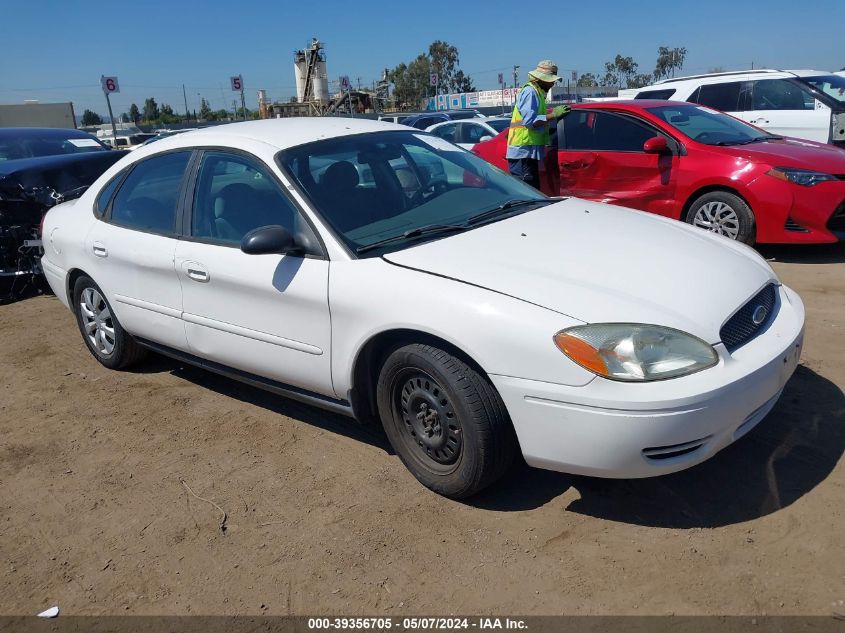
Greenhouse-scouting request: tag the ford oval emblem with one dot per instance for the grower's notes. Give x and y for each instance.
(759, 315)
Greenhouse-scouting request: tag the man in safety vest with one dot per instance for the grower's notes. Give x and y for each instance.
(529, 129)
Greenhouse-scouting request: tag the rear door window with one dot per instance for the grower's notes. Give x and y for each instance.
(447, 131)
(148, 197)
(724, 96)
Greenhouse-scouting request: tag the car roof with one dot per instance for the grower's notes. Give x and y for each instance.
(727, 76)
(42, 132)
(629, 104)
(283, 133)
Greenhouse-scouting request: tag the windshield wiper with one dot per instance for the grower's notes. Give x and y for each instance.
(412, 233)
(505, 206)
(761, 139)
(758, 139)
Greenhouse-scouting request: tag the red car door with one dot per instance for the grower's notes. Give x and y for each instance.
(601, 156)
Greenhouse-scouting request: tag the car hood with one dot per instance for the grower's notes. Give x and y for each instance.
(602, 263)
(794, 152)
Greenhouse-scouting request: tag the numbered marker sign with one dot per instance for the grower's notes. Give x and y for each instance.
(237, 83)
(344, 82)
(109, 84)
(433, 79)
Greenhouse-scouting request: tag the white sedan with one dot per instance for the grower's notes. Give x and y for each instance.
(469, 132)
(384, 273)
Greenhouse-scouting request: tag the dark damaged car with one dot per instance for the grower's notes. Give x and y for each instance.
(39, 167)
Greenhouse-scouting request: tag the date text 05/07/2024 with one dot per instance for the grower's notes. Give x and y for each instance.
(415, 623)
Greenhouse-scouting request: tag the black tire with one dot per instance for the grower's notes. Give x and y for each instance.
(723, 213)
(445, 420)
(110, 344)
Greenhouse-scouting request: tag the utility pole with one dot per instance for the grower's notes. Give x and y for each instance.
(185, 97)
(515, 78)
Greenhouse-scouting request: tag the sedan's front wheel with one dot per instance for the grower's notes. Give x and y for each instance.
(724, 213)
(103, 335)
(445, 420)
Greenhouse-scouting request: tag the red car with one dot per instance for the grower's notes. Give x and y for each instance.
(695, 164)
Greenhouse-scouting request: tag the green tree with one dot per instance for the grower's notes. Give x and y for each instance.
(587, 80)
(619, 72)
(91, 118)
(638, 81)
(668, 61)
(462, 82)
(411, 82)
(151, 112)
(134, 114)
(205, 110)
(167, 115)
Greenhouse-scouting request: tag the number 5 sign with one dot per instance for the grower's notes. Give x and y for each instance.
(237, 83)
(109, 84)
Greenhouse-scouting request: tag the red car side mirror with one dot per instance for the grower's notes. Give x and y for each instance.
(656, 145)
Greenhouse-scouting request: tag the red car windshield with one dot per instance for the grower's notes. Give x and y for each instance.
(707, 126)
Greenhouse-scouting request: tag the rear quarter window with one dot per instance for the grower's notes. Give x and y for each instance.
(656, 94)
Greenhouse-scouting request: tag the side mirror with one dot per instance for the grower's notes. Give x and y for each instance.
(656, 145)
(486, 137)
(269, 240)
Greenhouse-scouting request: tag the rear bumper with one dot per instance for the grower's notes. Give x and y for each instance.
(624, 430)
(57, 278)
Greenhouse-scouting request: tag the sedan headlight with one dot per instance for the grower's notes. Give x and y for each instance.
(635, 352)
(805, 177)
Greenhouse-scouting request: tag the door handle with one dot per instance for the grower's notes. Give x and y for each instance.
(99, 249)
(196, 271)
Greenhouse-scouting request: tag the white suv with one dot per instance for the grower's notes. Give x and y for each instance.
(807, 104)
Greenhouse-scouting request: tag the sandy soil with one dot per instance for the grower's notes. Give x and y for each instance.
(96, 515)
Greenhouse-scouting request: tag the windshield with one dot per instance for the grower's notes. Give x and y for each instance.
(36, 146)
(831, 85)
(707, 126)
(499, 124)
(385, 185)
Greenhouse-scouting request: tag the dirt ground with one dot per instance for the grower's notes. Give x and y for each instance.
(96, 515)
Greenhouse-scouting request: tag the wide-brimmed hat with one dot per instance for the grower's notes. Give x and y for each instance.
(546, 71)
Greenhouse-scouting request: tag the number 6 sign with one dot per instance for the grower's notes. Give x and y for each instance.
(109, 84)
(237, 83)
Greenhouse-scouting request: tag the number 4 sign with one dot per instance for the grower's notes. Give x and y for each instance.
(109, 84)
(237, 83)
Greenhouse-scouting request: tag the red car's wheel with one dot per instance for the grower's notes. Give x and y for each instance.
(723, 213)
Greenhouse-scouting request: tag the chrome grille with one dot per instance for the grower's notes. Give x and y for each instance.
(741, 328)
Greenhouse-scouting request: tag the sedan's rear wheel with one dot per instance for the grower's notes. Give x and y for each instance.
(445, 420)
(103, 335)
(723, 213)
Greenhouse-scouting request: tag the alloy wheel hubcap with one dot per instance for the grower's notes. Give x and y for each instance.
(97, 321)
(430, 423)
(718, 217)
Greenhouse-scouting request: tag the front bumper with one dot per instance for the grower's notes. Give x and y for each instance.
(790, 213)
(627, 430)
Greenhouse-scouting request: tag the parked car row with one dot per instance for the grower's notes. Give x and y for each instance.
(385, 273)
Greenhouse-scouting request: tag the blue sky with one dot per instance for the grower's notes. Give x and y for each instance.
(56, 51)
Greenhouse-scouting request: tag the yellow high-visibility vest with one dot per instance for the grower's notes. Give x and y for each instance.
(518, 134)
